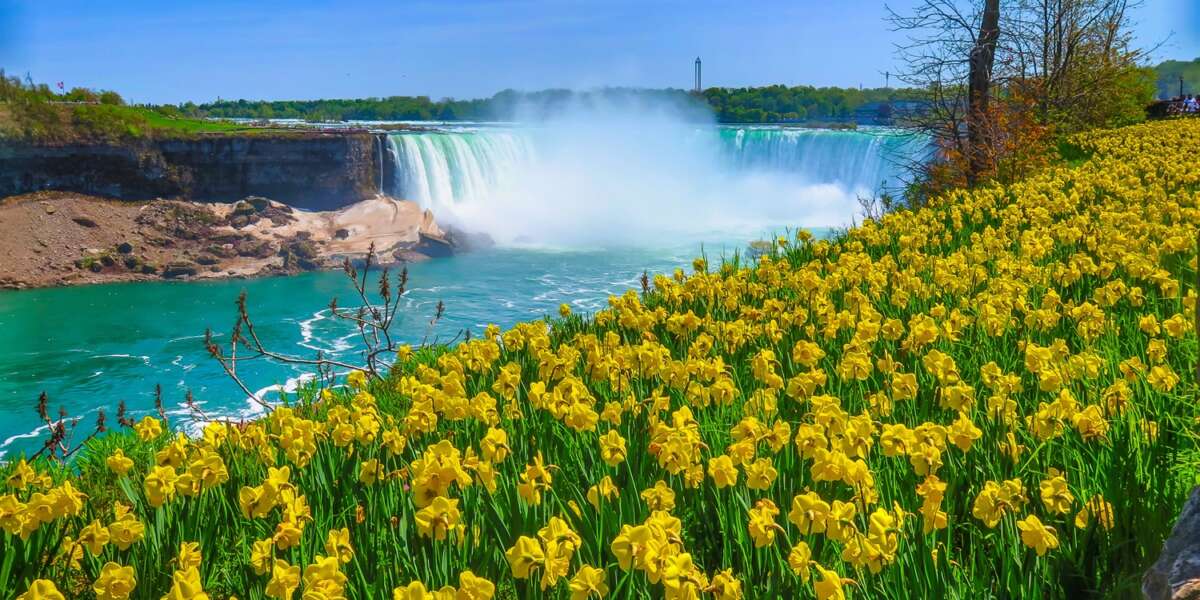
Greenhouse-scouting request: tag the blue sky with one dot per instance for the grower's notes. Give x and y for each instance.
(175, 51)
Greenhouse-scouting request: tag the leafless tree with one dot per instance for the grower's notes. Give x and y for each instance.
(949, 51)
(1075, 50)
(373, 320)
(1071, 57)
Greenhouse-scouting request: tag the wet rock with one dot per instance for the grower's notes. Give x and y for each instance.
(468, 241)
(243, 209)
(1176, 574)
(258, 203)
(179, 269)
(304, 249)
(307, 265)
(255, 249)
(408, 256)
(433, 246)
(301, 253)
(221, 250)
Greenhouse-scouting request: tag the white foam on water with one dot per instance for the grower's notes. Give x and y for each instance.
(642, 174)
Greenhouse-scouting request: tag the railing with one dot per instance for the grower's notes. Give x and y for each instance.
(1172, 108)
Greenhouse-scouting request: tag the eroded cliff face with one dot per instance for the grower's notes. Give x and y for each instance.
(318, 171)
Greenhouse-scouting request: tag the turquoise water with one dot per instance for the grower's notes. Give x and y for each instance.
(90, 347)
(618, 186)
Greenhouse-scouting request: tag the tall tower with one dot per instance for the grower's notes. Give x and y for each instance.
(698, 88)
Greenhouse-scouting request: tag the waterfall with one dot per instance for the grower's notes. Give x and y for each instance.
(456, 166)
(444, 168)
(861, 161)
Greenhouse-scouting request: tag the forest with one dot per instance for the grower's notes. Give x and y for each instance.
(769, 104)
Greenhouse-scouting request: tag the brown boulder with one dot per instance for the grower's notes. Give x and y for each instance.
(1176, 574)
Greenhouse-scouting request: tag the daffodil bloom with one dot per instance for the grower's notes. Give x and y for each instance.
(94, 537)
(1036, 535)
(160, 485)
(323, 575)
(829, 585)
(963, 432)
(337, 543)
(809, 513)
(534, 481)
(659, 497)
(474, 587)
(612, 448)
(525, 556)
(725, 586)
(722, 471)
(370, 471)
(126, 531)
(762, 523)
(189, 556)
(262, 556)
(41, 589)
(118, 463)
(494, 446)
(1054, 492)
(116, 582)
(439, 518)
(186, 585)
(284, 580)
(413, 591)
(760, 474)
(800, 560)
(587, 583)
(148, 428)
(605, 490)
(1100, 509)
(287, 534)
(629, 543)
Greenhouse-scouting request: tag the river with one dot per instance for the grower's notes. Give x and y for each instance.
(578, 216)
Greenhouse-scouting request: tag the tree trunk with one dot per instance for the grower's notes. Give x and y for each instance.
(979, 81)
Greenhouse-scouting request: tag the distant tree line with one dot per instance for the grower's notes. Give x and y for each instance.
(1169, 73)
(775, 103)
(780, 103)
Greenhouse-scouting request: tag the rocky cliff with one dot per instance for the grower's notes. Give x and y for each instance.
(313, 171)
(64, 238)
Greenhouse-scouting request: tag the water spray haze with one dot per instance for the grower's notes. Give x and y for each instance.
(600, 173)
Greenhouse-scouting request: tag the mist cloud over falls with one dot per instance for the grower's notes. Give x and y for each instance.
(635, 175)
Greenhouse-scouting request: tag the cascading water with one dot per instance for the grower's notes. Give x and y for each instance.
(861, 161)
(600, 179)
(447, 167)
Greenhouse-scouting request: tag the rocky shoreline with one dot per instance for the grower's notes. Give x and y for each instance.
(62, 238)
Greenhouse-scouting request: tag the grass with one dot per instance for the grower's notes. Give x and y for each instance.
(1029, 347)
(46, 122)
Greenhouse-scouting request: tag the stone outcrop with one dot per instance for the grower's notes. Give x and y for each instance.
(314, 171)
(62, 238)
(1176, 574)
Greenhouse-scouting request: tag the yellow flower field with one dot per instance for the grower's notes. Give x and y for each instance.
(992, 396)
